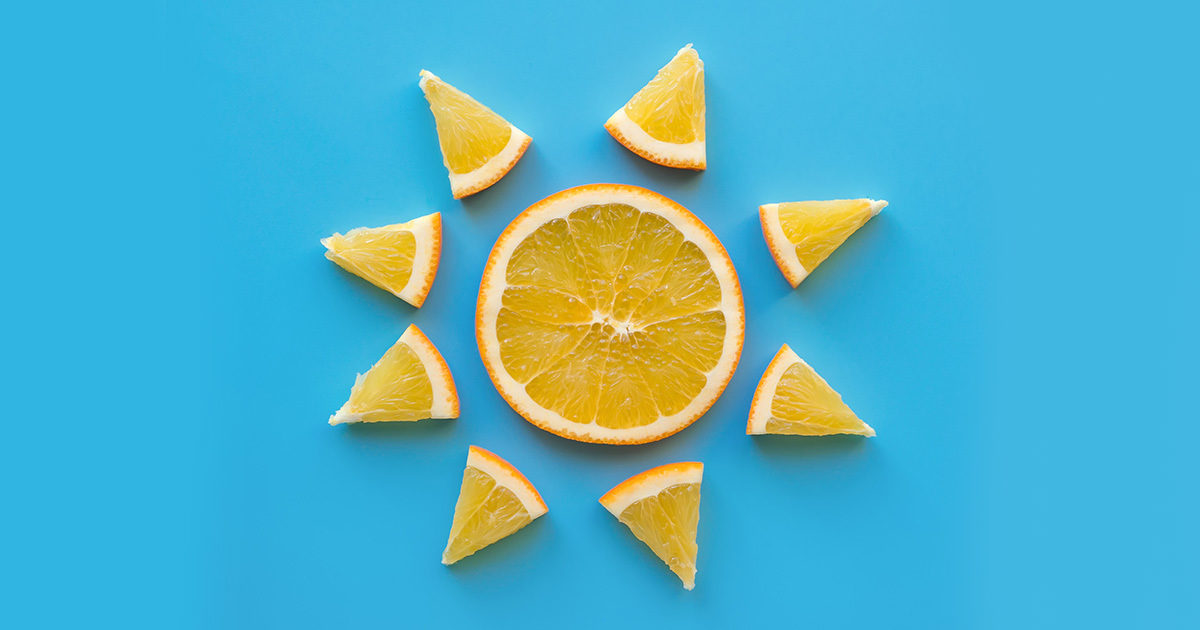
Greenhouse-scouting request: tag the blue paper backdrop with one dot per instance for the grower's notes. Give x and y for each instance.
(1019, 323)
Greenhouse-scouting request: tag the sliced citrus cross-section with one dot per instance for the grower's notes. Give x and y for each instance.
(801, 234)
(662, 508)
(792, 399)
(495, 501)
(401, 259)
(410, 382)
(478, 146)
(664, 121)
(609, 313)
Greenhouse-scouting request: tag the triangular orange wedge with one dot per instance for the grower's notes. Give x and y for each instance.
(802, 234)
(410, 382)
(664, 121)
(478, 146)
(661, 506)
(495, 500)
(792, 399)
(401, 259)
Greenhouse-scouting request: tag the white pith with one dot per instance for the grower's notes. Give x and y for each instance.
(692, 153)
(494, 283)
(506, 479)
(652, 485)
(499, 163)
(423, 259)
(784, 249)
(760, 410)
(445, 397)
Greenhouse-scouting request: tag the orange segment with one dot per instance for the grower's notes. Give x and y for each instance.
(801, 235)
(401, 259)
(495, 500)
(664, 121)
(410, 382)
(792, 399)
(478, 146)
(661, 506)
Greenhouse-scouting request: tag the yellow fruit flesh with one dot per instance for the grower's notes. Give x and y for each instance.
(382, 256)
(804, 404)
(396, 388)
(667, 522)
(671, 107)
(610, 317)
(816, 228)
(470, 134)
(485, 513)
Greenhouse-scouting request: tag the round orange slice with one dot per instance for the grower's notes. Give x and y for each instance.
(609, 313)
(401, 259)
(662, 508)
(478, 146)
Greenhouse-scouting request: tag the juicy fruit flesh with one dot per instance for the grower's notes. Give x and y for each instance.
(485, 513)
(671, 107)
(397, 388)
(610, 316)
(667, 523)
(816, 228)
(470, 134)
(384, 257)
(804, 404)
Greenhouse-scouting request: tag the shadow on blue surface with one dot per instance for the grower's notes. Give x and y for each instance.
(500, 194)
(400, 431)
(844, 268)
(364, 291)
(798, 446)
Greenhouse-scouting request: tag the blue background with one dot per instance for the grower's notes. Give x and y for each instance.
(1019, 323)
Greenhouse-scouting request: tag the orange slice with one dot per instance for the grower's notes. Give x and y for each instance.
(802, 234)
(478, 146)
(609, 313)
(401, 259)
(664, 121)
(792, 399)
(495, 501)
(662, 508)
(410, 382)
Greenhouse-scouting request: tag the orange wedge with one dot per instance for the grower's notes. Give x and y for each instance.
(792, 399)
(662, 508)
(495, 500)
(401, 259)
(802, 234)
(664, 121)
(478, 146)
(410, 382)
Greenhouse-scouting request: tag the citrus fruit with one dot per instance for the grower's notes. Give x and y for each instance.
(662, 508)
(609, 313)
(802, 234)
(410, 382)
(495, 501)
(792, 399)
(401, 259)
(478, 146)
(664, 121)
